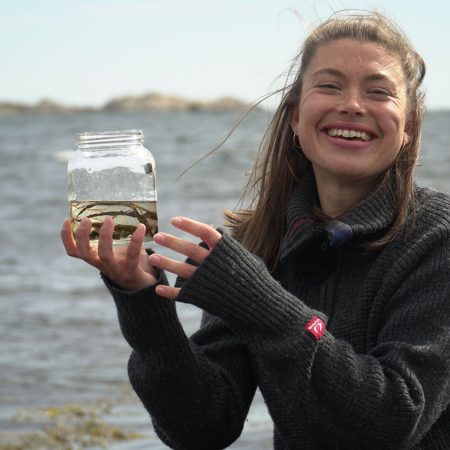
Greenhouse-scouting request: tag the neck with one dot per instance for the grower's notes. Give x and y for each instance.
(338, 196)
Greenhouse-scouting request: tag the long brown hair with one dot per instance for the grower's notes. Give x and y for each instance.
(278, 168)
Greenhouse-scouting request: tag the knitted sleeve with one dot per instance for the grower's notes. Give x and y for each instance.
(386, 398)
(197, 391)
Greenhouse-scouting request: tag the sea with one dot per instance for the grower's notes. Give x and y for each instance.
(63, 360)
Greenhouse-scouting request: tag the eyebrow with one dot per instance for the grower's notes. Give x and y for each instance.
(329, 71)
(339, 74)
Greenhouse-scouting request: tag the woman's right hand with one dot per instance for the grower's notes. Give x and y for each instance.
(128, 266)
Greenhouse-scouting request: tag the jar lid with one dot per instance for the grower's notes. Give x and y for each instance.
(109, 138)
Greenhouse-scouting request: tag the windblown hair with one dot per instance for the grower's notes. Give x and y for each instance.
(278, 167)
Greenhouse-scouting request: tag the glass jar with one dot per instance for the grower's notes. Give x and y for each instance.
(113, 174)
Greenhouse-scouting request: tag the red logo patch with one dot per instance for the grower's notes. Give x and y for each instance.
(316, 326)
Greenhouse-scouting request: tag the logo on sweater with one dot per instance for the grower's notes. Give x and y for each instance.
(316, 326)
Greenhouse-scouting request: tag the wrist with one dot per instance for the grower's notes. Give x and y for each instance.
(136, 285)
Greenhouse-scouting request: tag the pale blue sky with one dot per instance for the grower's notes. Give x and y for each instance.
(84, 52)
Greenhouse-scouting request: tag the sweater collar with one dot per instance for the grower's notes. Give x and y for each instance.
(371, 216)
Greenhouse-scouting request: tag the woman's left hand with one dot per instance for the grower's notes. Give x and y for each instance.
(206, 233)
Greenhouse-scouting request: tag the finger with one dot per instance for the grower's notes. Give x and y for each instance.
(186, 248)
(105, 240)
(208, 234)
(82, 239)
(167, 291)
(181, 269)
(68, 240)
(135, 246)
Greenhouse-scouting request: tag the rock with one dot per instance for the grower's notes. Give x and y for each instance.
(43, 107)
(49, 106)
(7, 108)
(146, 102)
(158, 102)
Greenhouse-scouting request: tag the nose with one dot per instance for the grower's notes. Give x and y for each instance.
(352, 103)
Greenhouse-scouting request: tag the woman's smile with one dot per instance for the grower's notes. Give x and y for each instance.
(348, 135)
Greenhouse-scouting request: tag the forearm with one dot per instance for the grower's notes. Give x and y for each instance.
(324, 380)
(234, 285)
(189, 386)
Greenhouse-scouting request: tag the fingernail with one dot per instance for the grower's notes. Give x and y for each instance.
(155, 259)
(176, 221)
(139, 228)
(163, 291)
(159, 238)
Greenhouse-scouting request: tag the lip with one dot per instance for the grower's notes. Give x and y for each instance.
(350, 126)
(348, 144)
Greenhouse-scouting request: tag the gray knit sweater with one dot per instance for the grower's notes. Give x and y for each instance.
(349, 350)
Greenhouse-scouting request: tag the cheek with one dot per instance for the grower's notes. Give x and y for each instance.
(308, 118)
(310, 104)
(388, 153)
(393, 121)
(397, 138)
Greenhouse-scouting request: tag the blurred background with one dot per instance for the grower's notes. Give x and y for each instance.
(183, 72)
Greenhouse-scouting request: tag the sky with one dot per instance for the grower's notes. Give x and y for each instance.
(85, 52)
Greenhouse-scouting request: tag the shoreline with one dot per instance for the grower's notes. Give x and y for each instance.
(132, 103)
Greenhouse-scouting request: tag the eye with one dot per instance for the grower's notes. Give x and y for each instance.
(328, 86)
(379, 93)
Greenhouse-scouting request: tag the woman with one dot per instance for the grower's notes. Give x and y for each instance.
(332, 294)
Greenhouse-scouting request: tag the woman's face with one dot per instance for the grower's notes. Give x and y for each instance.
(351, 117)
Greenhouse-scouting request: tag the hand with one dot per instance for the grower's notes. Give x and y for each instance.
(208, 234)
(128, 267)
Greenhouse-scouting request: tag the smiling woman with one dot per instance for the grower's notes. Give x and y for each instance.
(396, 67)
(330, 292)
(351, 119)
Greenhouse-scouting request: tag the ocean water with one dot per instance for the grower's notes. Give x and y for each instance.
(60, 343)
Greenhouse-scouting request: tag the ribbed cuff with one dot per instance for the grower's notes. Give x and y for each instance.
(235, 285)
(150, 323)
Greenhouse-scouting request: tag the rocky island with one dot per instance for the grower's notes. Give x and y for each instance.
(139, 103)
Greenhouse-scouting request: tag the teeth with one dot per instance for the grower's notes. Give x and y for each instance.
(348, 134)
